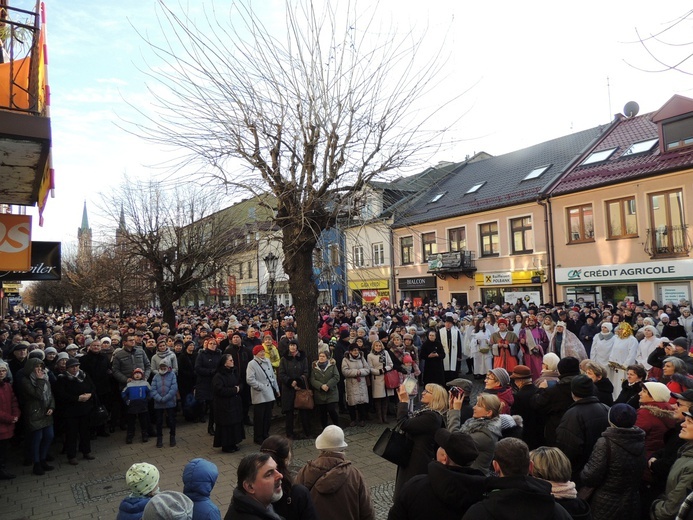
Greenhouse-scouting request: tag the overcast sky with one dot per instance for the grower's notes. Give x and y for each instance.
(536, 70)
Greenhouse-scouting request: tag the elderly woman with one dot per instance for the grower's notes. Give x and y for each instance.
(324, 377)
(420, 427)
(646, 346)
(484, 427)
(655, 415)
(675, 376)
(497, 382)
(614, 467)
(552, 465)
(38, 406)
(602, 385)
(631, 387)
(549, 370)
(355, 370)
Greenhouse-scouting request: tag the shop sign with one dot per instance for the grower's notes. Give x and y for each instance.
(497, 278)
(527, 297)
(594, 274)
(674, 293)
(45, 264)
(413, 284)
(360, 285)
(375, 296)
(15, 242)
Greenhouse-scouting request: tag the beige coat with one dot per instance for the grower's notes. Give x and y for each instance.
(378, 384)
(355, 372)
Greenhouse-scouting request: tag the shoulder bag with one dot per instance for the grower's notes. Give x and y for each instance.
(394, 445)
(392, 379)
(303, 398)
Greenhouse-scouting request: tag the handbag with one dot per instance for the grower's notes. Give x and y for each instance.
(303, 398)
(394, 445)
(392, 379)
(99, 416)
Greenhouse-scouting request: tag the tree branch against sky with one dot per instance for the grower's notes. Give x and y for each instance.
(179, 236)
(308, 109)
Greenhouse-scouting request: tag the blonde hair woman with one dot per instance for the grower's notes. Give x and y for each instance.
(552, 465)
(420, 426)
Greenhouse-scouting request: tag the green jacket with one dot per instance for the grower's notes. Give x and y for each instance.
(679, 481)
(329, 377)
(34, 403)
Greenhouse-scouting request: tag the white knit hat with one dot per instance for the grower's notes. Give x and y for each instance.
(331, 439)
(659, 391)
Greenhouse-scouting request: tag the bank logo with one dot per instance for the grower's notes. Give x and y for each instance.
(575, 274)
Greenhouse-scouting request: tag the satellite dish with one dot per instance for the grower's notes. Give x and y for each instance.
(631, 109)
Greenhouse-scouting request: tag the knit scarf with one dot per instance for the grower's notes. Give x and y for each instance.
(563, 489)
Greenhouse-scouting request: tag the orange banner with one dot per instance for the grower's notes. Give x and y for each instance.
(15, 242)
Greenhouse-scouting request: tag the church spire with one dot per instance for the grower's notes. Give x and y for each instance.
(85, 219)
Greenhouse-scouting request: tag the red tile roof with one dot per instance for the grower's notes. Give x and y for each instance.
(619, 169)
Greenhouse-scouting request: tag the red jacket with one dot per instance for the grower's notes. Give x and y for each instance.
(9, 409)
(655, 419)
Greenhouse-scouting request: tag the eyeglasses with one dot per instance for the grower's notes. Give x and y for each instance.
(424, 391)
(490, 378)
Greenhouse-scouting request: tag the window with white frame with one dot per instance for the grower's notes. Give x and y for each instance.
(379, 254)
(358, 256)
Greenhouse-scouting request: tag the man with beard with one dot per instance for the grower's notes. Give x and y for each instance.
(259, 486)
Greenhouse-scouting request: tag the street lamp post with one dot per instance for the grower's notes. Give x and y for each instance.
(271, 261)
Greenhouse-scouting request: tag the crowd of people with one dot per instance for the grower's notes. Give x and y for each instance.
(597, 394)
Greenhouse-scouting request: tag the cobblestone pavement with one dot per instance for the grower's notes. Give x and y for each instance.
(94, 489)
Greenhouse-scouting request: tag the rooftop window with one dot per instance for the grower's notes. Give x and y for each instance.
(640, 147)
(678, 134)
(475, 188)
(536, 172)
(437, 197)
(599, 156)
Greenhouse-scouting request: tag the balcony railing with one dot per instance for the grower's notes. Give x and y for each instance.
(452, 263)
(668, 241)
(22, 61)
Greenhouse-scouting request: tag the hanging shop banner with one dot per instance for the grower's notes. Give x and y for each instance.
(45, 264)
(15, 242)
(594, 274)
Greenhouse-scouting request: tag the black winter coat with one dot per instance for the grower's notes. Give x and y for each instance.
(433, 367)
(532, 420)
(97, 366)
(243, 507)
(186, 372)
(630, 394)
(446, 492)
(512, 498)
(614, 471)
(580, 428)
(292, 368)
(205, 368)
(67, 392)
(420, 429)
(552, 403)
(227, 403)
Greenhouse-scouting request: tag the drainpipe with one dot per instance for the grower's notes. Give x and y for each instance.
(393, 290)
(548, 231)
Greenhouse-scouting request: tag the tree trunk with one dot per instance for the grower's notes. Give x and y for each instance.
(298, 264)
(166, 300)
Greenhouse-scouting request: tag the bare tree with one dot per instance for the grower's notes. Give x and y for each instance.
(308, 113)
(671, 47)
(177, 237)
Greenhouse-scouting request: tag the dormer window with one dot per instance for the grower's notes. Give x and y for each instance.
(678, 134)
